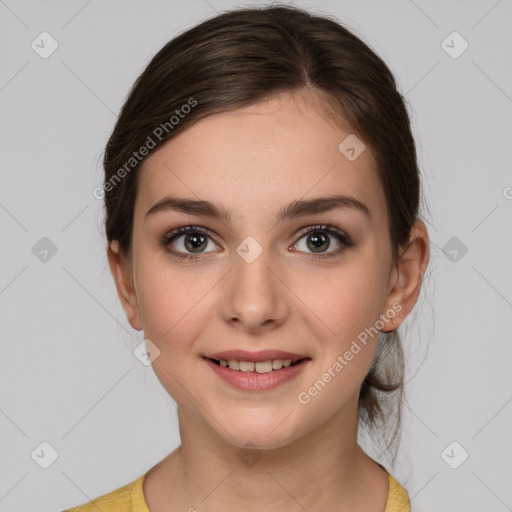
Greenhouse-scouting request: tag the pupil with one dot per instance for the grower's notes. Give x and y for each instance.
(317, 240)
(193, 242)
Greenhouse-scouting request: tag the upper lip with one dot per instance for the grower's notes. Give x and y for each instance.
(261, 355)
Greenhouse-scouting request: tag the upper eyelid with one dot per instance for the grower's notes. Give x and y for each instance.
(321, 227)
(183, 230)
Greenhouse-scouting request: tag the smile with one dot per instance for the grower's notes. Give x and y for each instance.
(259, 367)
(257, 376)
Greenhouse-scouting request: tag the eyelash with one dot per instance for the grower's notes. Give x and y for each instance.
(344, 239)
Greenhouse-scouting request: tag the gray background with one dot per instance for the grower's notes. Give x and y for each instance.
(68, 376)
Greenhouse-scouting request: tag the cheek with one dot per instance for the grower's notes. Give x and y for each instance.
(345, 300)
(171, 297)
(174, 307)
(350, 307)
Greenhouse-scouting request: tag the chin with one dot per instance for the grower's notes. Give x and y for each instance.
(272, 433)
(258, 442)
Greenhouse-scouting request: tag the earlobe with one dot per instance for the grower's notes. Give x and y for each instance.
(121, 272)
(408, 275)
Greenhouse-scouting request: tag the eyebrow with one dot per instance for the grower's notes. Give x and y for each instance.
(294, 209)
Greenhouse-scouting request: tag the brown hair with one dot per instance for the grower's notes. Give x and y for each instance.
(239, 57)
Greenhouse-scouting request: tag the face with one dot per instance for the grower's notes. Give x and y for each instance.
(262, 276)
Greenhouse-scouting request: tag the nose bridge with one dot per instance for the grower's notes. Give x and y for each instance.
(255, 297)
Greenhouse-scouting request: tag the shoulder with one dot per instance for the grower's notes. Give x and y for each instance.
(398, 500)
(128, 498)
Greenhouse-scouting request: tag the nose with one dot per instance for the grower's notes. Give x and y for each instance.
(254, 298)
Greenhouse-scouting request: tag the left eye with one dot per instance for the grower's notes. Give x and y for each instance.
(318, 239)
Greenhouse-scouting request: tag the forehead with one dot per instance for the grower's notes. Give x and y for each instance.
(262, 155)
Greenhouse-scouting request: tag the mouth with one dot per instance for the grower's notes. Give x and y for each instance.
(259, 374)
(268, 366)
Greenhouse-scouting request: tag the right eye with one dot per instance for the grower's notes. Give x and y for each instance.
(188, 242)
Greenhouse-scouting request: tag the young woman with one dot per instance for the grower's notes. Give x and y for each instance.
(261, 192)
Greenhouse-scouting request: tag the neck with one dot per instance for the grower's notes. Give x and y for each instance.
(211, 474)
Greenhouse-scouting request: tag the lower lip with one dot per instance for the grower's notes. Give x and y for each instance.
(253, 381)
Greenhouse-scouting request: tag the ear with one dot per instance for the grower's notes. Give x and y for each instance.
(121, 272)
(406, 277)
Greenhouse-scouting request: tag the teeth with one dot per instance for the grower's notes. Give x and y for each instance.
(233, 364)
(263, 366)
(260, 367)
(246, 366)
(277, 364)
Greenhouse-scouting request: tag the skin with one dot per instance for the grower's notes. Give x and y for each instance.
(254, 161)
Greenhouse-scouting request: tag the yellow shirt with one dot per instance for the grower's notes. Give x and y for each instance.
(130, 498)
